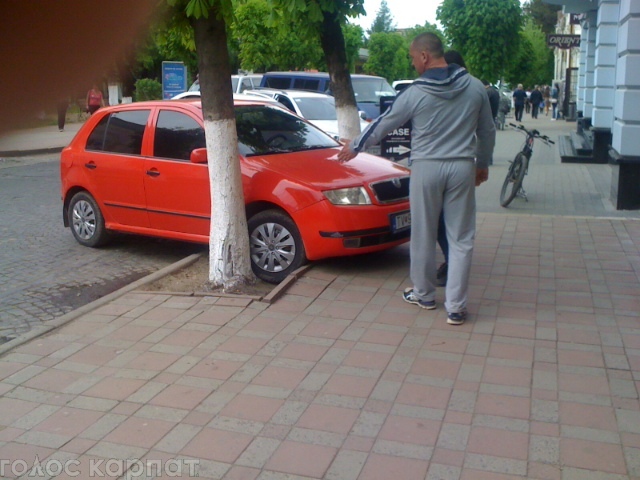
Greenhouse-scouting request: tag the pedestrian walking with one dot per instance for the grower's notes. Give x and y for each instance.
(95, 100)
(62, 106)
(546, 95)
(452, 140)
(519, 100)
(536, 100)
(555, 94)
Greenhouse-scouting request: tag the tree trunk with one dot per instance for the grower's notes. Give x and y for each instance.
(229, 260)
(335, 54)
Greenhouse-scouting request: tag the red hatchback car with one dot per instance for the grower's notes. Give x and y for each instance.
(140, 168)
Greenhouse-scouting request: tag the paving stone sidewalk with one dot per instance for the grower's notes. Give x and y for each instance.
(340, 379)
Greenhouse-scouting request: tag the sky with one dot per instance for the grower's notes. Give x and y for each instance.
(405, 13)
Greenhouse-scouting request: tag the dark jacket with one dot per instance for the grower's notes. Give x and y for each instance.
(494, 101)
(536, 97)
(519, 97)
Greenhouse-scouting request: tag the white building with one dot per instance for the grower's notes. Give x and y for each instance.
(608, 89)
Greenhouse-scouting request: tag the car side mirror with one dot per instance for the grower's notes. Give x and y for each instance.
(198, 155)
(363, 114)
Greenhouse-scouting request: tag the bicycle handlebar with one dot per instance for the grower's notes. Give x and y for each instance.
(534, 133)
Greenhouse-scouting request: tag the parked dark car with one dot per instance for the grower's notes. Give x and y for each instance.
(367, 88)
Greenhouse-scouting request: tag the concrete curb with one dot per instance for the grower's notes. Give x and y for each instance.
(51, 325)
(26, 153)
(67, 317)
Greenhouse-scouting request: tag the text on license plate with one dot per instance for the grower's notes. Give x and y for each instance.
(400, 221)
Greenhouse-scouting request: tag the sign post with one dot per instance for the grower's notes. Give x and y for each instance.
(395, 145)
(174, 79)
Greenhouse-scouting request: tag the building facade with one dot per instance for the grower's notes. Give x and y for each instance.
(608, 87)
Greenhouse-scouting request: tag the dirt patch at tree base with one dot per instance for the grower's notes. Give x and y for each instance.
(194, 279)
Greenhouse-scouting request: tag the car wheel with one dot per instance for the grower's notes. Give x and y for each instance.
(86, 221)
(276, 246)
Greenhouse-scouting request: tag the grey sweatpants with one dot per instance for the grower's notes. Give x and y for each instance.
(447, 185)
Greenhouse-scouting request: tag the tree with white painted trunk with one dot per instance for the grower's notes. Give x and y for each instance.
(229, 253)
(325, 18)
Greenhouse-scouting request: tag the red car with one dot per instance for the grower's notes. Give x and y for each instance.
(141, 168)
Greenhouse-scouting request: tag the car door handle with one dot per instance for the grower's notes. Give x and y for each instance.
(153, 173)
(91, 166)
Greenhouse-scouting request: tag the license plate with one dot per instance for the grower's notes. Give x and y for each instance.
(400, 221)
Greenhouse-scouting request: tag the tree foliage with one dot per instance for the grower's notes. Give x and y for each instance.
(485, 32)
(353, 42)
(147, 89)
(388, 56)
(383, 23)
(265, 45)
(543, 14)
(533, 64)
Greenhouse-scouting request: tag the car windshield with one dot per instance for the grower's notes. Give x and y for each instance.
(264, 130)
(317, 108)
(369, 90)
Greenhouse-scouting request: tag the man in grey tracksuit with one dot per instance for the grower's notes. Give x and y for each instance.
(452, 140)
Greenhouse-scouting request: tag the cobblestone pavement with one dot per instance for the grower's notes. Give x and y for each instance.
(44, 272)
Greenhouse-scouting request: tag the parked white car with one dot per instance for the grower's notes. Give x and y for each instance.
(317, 108)
(239, 83)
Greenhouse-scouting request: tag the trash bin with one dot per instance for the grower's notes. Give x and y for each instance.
(571, 111)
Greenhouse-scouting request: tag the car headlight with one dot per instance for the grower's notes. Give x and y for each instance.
(348, 196)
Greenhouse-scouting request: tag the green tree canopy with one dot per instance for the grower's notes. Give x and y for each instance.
(265, 45)
(485, 32)
(383, 23)
(533, 64)
(388, 56)
(543, 14)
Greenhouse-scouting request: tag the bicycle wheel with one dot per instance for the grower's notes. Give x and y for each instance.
(513, 181)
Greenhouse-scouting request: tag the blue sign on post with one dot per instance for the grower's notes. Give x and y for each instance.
(174, 79)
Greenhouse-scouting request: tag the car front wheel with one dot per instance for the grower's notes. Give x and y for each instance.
(86, 221)
(276, 246)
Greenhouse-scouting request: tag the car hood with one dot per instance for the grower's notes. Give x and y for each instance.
(321, 170)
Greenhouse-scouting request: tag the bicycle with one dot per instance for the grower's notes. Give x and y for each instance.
(512, 186)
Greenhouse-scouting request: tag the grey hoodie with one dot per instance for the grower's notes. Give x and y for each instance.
(450, 118)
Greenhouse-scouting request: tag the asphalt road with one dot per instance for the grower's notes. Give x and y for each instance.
(44, 272)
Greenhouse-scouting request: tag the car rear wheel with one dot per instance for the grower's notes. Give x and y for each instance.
(86, 221)
(276, 246)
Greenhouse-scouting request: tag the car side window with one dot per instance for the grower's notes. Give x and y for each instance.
(306, 84)
(246, 85)
(119, 132)
(278, 82)
(286, 102)
(177, 135)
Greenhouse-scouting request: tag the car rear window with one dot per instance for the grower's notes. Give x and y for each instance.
(370, 89)
(177, 135)
(307, 84)
(278, 82)
(119, 132)
(315, 108)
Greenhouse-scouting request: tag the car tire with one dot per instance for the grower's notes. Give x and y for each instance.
(86, 221)
(276, 246)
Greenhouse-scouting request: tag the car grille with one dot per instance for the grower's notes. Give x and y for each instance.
(392, 190)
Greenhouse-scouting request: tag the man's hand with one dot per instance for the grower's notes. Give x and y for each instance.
(346, 154)
(482, 175)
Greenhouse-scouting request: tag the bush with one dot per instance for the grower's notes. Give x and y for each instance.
(147, 89)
